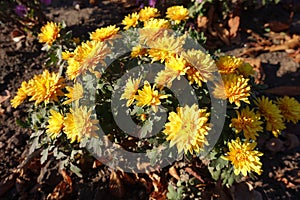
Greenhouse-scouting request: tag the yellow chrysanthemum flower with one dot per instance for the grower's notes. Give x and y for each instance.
(78, 124)
(49, 33)
(187, 129)
(248, 122)
(55, 124)
(272, 115)
(165, 77)
(149, 97)
(21, 95)
(235, 88)
(165, 47)
(131, 20)
(138, 51)
(86, 57)
(131, 88)
(105, 33)
(45, 87)
(66, 55)
(156, 24)
(73, 69)
(75, 93)
(228, 64)
(246, 70)
(153, 29)
(243, 157)
(148, 13)
(177, 13)
(201, 66)
(177, 64)
(290, 108)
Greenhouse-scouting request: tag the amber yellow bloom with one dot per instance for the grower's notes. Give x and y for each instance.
(177, 64)
(149, 97)
(177, 13)
(49, 33)
(131, 88)
(228, 64)
(201, 66)
(73, 69)
(66, 55)
(78, 124)
(156, 24)
(246, 70)
(55, 124)
(290, 108)
(131, 20)
(248, 122)
(243, 157)
(45, 87)
(21, 95)
(74, 93)
(187, 129)
(105, 33)
(272, 115)
(235, 88)
(165, 77)
(165, 47)
(138, 51)
(147, 13)
(86, 57)
(153, 29)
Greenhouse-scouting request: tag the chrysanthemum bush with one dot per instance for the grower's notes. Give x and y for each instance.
(131, 90)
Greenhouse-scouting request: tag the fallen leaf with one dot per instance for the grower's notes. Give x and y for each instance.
(63, 189)
(193, 173)
(7, 183)
(160, 188)
(233, 23)
(277, 26)
(222, 33)
(173, 172)
(116, 186)
(4, 97)
(289, 44)
(202, 22)
(284, 90)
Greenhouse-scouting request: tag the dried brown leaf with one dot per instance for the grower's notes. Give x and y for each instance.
(116, 186)
(4, 97)
(173, 172)
(294, 43)
(63, 189)
(284, 90)
(277, 26)
(233, 23)
(193, 173)
(202, 22)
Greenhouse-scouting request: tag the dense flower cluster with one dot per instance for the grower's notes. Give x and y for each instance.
(188, 126)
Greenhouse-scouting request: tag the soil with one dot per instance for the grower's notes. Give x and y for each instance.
(20, 61)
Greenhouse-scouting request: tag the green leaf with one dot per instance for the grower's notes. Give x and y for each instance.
(44, 154)
(76, 170)
(147, 128)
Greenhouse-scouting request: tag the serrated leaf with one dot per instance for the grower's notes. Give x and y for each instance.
(76, 170)
(147, 128)
(34, 145)
(44, 154)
